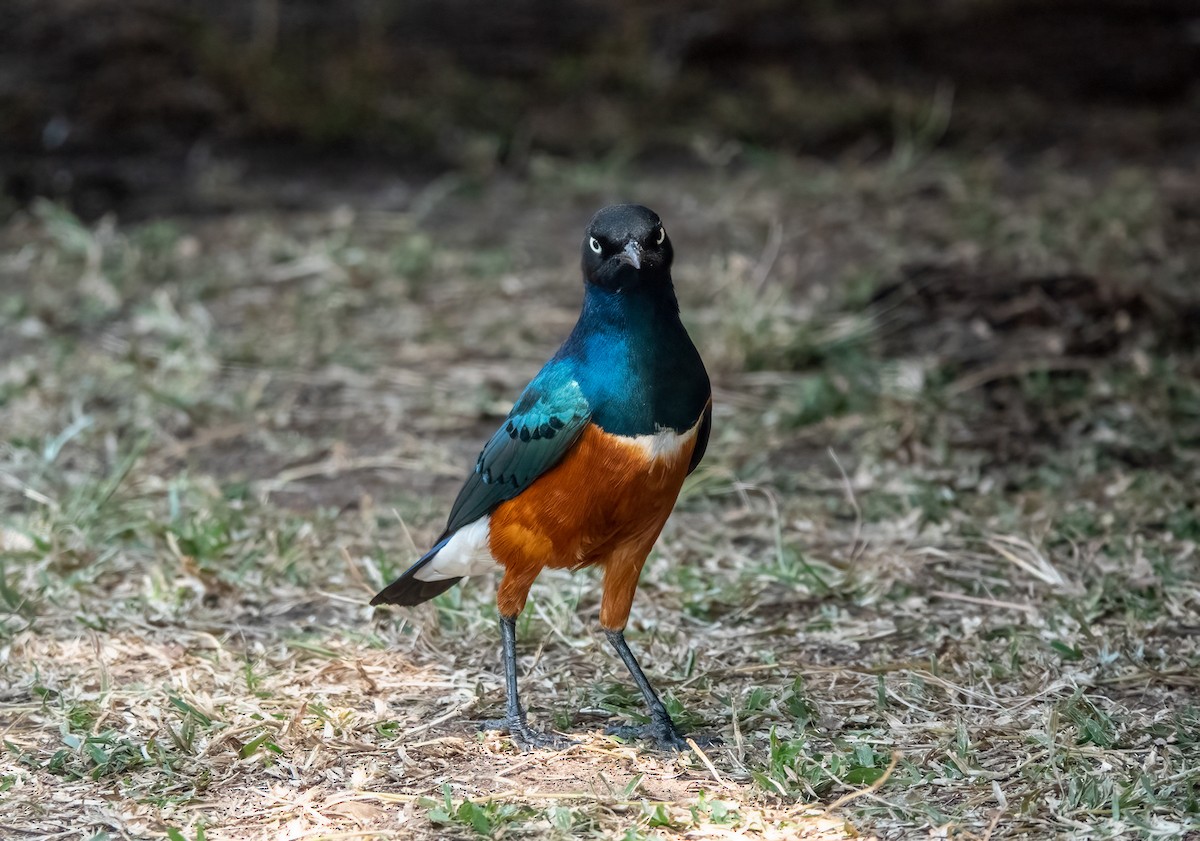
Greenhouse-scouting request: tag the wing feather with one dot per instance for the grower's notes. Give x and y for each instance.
(542, 427)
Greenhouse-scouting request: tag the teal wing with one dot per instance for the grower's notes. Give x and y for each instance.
(545, 423)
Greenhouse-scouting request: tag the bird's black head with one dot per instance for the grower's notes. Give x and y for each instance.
(625, 245)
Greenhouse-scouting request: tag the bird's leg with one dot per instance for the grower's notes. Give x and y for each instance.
(661, 728)
(514, 722)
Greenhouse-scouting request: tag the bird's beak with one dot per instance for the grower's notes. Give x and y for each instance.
(632, 254)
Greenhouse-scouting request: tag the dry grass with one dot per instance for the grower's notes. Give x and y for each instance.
(938, 575)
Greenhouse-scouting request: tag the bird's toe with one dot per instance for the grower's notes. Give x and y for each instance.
(525, 737)
(664, 734)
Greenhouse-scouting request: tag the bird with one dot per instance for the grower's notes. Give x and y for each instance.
(588, 464)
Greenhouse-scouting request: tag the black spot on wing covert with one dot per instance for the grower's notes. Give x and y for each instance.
(542, 427)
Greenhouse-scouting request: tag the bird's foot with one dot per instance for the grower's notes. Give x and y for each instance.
(661, 731)
(524, 736)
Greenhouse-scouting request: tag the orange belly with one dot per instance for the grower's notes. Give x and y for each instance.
(604, 503)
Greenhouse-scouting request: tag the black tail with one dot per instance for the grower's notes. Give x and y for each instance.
(408, 590)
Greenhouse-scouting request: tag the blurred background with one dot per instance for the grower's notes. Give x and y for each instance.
(188, 105)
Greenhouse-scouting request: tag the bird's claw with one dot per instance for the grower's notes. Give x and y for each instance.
(662, 732)
(524, 736)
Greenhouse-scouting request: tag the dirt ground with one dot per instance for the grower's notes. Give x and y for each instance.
(937, 576)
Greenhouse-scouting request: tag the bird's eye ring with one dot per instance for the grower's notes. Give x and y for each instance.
(594, 244)
(662, 234)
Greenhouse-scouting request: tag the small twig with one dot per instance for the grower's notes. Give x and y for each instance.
(354, 571)
(959, 597)
(444, 717)
(333, 466)
(366, 678)
(1037, 565)
(537, 757)
(987, 833)
(205, 437)
(1017, 368)
(324, 835)
(584, 796)
(738, 740)
(848, 489)
(712, 769)
(770, 253)
(407, 534)
(627, 752)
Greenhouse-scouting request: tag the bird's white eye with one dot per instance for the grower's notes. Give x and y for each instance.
(594, 244)
(662, 234)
